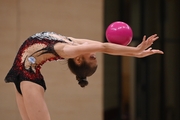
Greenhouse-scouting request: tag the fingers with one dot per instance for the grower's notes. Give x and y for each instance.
(152, 38)
(149, 52)
(145, 49)
(149, 49)
(147, 42)
(154, 51)
(144, 38)
(157, 51)
(155, 38)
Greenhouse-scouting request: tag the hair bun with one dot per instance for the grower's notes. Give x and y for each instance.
(82, 81)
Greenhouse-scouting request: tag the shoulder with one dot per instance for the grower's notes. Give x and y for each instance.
(64, 50)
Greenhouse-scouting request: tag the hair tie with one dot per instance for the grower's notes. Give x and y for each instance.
(80, 78)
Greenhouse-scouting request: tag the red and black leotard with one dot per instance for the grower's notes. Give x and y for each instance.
(25, 67)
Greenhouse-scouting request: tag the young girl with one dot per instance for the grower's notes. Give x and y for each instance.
(47, 46)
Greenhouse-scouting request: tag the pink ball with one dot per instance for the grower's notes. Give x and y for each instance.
(119, 33)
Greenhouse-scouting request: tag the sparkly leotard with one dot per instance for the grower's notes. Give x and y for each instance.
(25, 67)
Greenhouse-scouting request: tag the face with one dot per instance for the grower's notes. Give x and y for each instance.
(90, 58)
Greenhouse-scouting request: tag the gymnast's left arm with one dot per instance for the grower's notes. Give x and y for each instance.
(88, 46)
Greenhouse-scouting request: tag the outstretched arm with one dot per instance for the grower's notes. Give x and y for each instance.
(88, 46)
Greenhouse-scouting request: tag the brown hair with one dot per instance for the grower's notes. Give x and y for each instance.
(81, 71)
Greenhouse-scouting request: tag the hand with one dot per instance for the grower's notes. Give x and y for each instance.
(143, 47)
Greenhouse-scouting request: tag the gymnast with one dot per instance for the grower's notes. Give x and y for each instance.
(81, 58)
